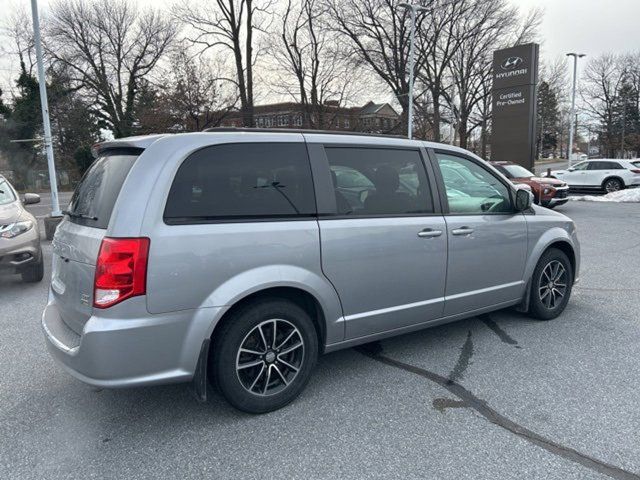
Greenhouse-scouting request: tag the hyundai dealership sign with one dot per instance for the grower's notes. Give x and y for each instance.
(515, 76)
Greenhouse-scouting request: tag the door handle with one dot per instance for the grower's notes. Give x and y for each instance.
(429, 233)
(462, 231)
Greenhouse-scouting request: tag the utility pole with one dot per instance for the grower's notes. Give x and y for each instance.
(55, 204)
(414, 9)
(573, 102)
(541, 137)
(624, 121)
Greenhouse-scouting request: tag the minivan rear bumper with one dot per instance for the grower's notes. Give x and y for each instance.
(115, 352)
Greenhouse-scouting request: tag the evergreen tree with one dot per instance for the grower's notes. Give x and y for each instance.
(23, 122)
(626, 121)
(548, 118)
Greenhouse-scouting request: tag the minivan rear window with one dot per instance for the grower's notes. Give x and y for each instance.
(96, 194)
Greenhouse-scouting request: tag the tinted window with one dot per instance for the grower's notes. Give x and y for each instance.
(6, 193)
(94, 198)
(472, 189)
(605, 166)
(235, 181)
(375, 181)
(611, 166)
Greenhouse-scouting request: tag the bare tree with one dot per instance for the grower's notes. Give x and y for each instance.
(17, 28)
(440, 37)
(109, 48)
(377, 32)
(486, 27)
(197, 95)
(230, 25)
(602, 82)
(314, 69)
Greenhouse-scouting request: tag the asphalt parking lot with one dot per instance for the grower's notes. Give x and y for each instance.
(496, 397)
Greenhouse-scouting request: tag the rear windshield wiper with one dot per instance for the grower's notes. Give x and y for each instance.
(79, 215)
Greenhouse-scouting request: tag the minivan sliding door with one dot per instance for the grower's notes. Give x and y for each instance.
(384, 245)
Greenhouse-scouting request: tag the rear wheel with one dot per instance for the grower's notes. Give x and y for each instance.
(34, 273)
(264, 354)
(612, 185)
(550, 285)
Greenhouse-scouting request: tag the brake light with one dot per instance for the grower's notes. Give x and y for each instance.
(635, 170)
(121, 270)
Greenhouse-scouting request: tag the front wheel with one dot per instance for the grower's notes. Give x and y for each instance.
(34, 273)
(551, 285)
(264, 354)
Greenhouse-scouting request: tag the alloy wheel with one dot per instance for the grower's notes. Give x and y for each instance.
(612, 186)
(552, 286)
(270, 357)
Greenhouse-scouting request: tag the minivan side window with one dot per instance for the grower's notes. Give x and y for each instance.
(470, 188)
(379, 181)
(242, 181)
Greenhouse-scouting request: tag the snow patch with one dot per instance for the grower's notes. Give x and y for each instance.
(629, 195)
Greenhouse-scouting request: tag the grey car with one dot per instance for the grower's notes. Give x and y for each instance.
(20, 250)
(236, 257)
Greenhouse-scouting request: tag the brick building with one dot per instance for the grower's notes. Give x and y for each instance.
(372, 117)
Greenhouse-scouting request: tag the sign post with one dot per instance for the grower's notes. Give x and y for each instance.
(515, 77)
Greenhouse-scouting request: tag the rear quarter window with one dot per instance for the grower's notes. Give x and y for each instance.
(93, 200)
(242, 182)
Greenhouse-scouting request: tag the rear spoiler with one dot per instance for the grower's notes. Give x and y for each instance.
(142, 142)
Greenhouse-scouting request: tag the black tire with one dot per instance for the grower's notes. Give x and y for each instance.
(548, 306)
(612, 185)
(243, 326)
(34, 273)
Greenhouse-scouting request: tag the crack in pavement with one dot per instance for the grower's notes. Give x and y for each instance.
(441, 404)
(495, 328)
(374, 351)
(466, 352)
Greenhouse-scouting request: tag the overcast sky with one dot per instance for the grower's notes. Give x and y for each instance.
(588, 26)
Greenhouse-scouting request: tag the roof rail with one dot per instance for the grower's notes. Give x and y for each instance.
(300, 130)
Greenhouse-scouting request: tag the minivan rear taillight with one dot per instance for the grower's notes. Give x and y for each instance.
(121, 270)
(635, 170)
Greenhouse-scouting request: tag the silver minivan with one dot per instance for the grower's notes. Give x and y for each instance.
(237, 257)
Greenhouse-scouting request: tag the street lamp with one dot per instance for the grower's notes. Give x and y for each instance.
(414, 8)
(55, 205)
(573, 102)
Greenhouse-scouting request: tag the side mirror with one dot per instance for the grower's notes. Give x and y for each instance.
(570, 169)
(524, 199)
(30, 198)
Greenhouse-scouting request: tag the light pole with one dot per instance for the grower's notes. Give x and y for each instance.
(414, 8)
(55, 205)
(573, 102)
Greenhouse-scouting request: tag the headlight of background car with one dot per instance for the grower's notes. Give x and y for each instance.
(15, 229)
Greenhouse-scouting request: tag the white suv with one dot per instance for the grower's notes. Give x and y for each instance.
(608, 175)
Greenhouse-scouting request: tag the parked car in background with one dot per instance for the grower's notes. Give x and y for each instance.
(238, 256)
(548, 192)
(609, 175)
(20, 250)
